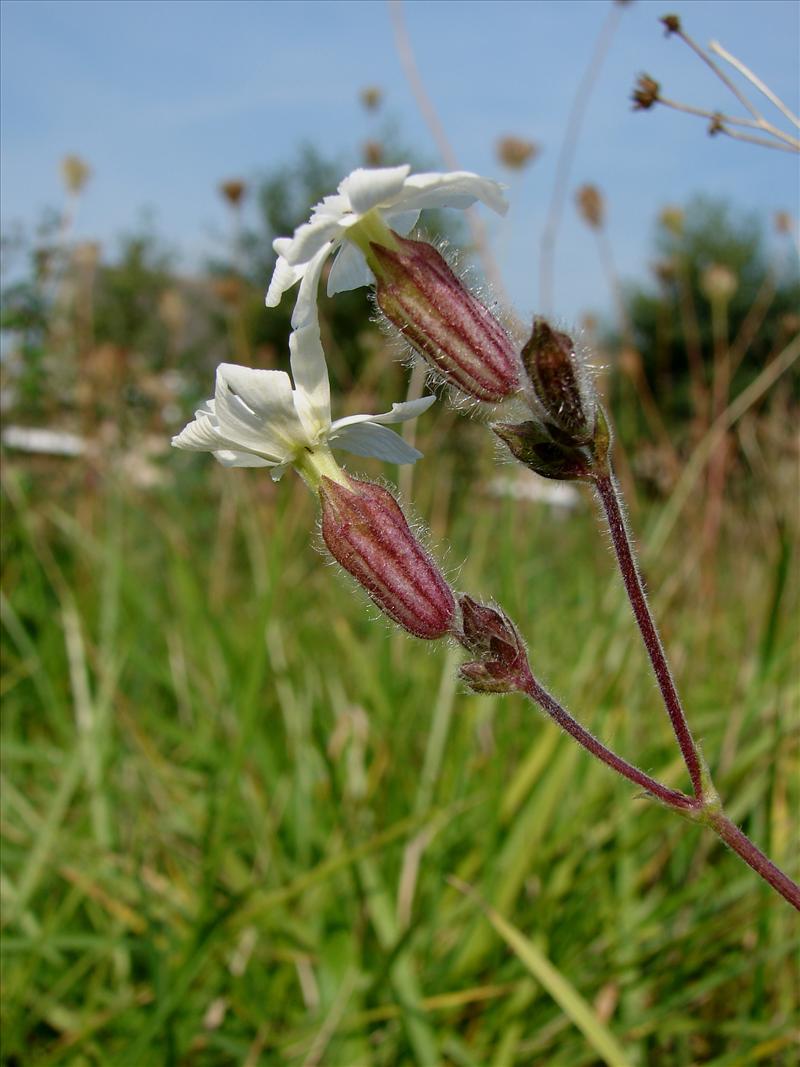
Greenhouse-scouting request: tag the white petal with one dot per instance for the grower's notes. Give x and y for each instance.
(255, 410)
(458, 189)
(199, 436)
(367, 439)
(312, 397)
(229, 458)
(331, 207)
(365, 189)
(283, 277)
(305, 310)
(402, 222)
(409, 409)
(278, 471)
(349, 270)
(308, 240)
(203, 435)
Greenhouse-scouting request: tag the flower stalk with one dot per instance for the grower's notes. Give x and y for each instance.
(608, 494)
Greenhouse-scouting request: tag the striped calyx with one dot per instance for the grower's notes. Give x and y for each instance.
(367, 533)
(443, 321)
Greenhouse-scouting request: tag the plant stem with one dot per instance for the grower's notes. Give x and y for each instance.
(548, 703)
(754, 857)
(607, 491)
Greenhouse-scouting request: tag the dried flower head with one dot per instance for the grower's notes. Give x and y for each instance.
(75, 172)
(371, 97)
(228, 289)
(373, 153)
(671, 23)
(718, 283)
(645, 93)
(172, 310)
(672, 219)
(664, 271)
(233, 190)
(784, 222)
(516, 152)
(591, 206)
(86, 255)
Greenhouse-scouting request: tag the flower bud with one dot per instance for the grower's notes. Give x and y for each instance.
(501, 665)
(559, 384)
(546, 451)
(366, 532)
(446, 324)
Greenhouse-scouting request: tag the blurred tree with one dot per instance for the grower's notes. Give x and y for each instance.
(709, 254)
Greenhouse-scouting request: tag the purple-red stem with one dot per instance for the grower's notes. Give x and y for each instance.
(744, 847)
(607, 491)
(692, 806)
(559, 714)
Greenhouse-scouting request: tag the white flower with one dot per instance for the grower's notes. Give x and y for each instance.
(393, 196)
(257, 419)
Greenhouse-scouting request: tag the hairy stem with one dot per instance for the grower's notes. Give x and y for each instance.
(754, 857)
(560, 715)
(607, 491)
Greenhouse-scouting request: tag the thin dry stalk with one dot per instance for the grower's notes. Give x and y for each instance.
(566, 155)
(408, 61)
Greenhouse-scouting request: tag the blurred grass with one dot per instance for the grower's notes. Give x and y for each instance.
(232, 798)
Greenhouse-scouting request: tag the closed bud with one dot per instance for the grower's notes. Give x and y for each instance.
(443, 321)
(366, 532)
(501, 664)
(530, 443)
(544, 450)
(559, 382)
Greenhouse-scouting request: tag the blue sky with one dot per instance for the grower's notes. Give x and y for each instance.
(165, 99)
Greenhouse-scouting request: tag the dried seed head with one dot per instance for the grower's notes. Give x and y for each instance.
(373, 153)
(371, 97)
(228, 289)
(672, 219)
(367, 533)
(501, 664)
(75, 172)
(172, 310)
(784, 223)
(459, 337)
(515, 152)
(645, 93)
(233, 190)
(671, 23)
(591, 206)
(664, 270)
(718, 283)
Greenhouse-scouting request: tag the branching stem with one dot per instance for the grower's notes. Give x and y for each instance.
(607, 492)
(560, 715)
